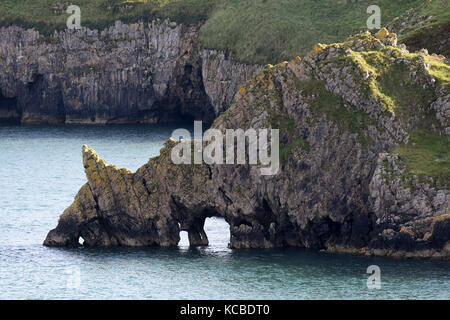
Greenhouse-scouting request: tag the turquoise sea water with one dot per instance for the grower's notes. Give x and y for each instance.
(40, 173)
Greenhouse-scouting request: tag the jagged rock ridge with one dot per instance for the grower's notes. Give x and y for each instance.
(349, 115)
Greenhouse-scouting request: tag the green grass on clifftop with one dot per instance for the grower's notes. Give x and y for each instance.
(257, 31)
(426, 26)
(269, 31)
(427, 154)
(49, 15)
(434, 12)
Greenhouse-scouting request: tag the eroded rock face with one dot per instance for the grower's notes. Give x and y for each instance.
(411, 215)
(222, 77)
(137, 73)
(339, 126)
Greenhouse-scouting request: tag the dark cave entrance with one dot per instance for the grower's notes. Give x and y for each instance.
(213, 232)
(8, 109)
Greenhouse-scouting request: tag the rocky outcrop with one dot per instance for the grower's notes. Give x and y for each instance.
(118, 207)
(342, 113)
(420, 28)
(129, 73)
(412, 216)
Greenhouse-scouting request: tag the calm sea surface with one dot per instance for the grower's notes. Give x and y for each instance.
(40, 173)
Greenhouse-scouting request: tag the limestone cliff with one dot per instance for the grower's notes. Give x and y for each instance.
(128, 73)
(364, 141)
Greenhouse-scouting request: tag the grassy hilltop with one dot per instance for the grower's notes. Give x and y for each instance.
(257, 31)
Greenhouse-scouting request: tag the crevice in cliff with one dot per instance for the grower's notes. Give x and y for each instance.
(61, 110)
(99, 223)
(191, 100)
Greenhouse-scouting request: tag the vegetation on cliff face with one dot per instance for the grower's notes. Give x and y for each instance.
(257, 31)
(407, 84)
(384, 76)
(325, 102)
(427, 155)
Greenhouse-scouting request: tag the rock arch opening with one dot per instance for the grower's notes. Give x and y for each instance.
(212, 232)
(184, 239)
(218, 231)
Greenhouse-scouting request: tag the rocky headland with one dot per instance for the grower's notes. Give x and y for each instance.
(364, 142)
